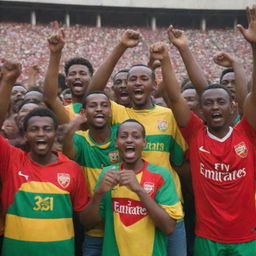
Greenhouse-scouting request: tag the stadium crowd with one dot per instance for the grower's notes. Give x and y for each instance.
(146, 147)
(95, 43)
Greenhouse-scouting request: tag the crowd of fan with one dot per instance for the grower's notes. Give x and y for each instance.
(27, 44)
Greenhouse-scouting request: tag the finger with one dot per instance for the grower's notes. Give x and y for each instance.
(241, 29)
(248, 14)
(253, 13)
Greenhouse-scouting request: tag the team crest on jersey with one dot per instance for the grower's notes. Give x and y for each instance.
(162, 125)
(113, 157)
(149, 187)
(63, 179)
(241, 149)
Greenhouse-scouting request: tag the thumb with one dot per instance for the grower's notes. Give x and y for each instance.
(241, 29)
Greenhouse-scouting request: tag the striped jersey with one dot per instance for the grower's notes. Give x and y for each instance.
(38, 203)
(73, 109)
(128, 226)
(164, 140)
(93, 157)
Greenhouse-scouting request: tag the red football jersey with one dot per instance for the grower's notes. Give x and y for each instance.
(223, 174)
(16, 168)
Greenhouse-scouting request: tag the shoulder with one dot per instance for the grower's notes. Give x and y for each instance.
(157, 169)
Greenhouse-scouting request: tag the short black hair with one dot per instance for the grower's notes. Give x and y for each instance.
(21, 85)
(187, 86)
(125, 70)
(84, 100)
(35, 89)
(225, 71)
(218, 86)
(132, 121)
(42, 112)
(25, 103)
(78, 61)
(153, 75)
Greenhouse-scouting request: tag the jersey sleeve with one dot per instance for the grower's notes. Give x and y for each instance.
(178, 145)
(167, 196)
(7, 152)
(194, 124)
(119, 113)
(246, 128)
(79, 195)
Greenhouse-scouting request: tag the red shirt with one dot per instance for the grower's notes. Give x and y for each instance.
(16, 168)
(223, 174)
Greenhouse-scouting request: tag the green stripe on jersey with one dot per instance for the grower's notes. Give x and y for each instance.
(13, 247)
(41, 205)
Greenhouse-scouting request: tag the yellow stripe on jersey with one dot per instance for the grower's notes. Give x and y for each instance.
(41, 187)
(175, 211)
(85, 134)
(19, 228)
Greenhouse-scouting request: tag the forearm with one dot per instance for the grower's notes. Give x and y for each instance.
(102, 75)
(68, 144)
(241, 85)
(195, 73)
(176, 102)
(51, 79)
(5, 93)
(90, 217)
(159, 216)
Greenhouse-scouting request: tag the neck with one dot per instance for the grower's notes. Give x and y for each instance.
(219, 133)
(100, 135)
(44, 160)
(136, 166)
(148, 104)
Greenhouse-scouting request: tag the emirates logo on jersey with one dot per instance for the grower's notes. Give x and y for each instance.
(149, 187)
(241, 150)
(162, 125)
(63, 179)
(129, 210)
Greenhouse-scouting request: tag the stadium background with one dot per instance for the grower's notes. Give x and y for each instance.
(93, 27)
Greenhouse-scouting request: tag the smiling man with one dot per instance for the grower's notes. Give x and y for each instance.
(222, 160)
(40, 189)
(137, 200)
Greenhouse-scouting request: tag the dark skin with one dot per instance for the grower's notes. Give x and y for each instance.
(130, 135)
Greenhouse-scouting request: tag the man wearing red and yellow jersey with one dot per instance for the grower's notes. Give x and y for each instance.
(137, 200)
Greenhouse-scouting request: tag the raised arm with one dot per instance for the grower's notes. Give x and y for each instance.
(241, 89)
(250, 35)
(129, 39)
(196, 75)
(9, 74)
(159, 51)
(55, 44)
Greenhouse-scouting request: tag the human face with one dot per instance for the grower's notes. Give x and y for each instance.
(120, 89)
(191, 98)
(10, 128)
(33, 97)
(17, 94)
(26, 108)
(228, 80)
(160, 102)
(97, 110)
(40, 135)
(67, 99)
(78, 79)
(217, 109)
(140, 86)
(130, 142)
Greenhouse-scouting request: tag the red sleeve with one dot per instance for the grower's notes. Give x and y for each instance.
(194, 124)
(79, 195)
(5, 153)
(246, 128)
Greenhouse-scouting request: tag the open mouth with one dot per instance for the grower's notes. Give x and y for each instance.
(129, 151)
(41, 144)
(99, 118)
(138, 93)
(78, 86)
(216, 116)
